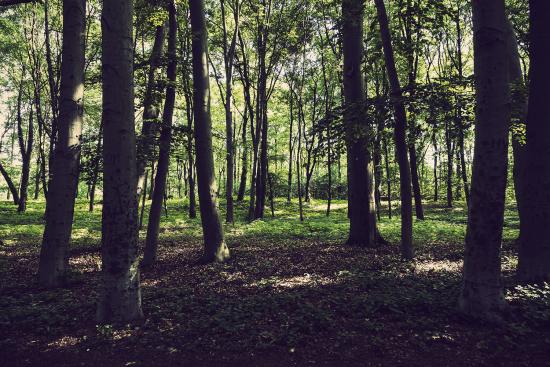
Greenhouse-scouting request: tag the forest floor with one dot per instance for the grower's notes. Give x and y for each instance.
(292, 295)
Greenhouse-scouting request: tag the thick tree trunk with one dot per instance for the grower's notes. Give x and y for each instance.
(120, 295)
(61, 197)
(481, 292)
(362, 223)
(534, 254)
(215, 247)
(150, 110)
(400, 134)
(151, 241)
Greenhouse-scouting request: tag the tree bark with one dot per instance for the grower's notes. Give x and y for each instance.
(244, 170)
(120, 294)
(25, 148)
(481, 294)
(151, 241)
(11, 186)
(399, 133)
(150, 110)
(229, 57)
(362, 224)
(64, 173)
(534, 254)
(215, 248)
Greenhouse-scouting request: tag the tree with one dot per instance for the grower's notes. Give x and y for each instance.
(120, 294)
(481, 293)
(229, 47)
(64, 173)
(25, 147)
(215, 248)
(362, 229)
(534, 251)
(400, 131)
(150, 109)
(151, 242)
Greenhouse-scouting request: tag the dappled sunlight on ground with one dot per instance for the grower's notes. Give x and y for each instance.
(291, 293)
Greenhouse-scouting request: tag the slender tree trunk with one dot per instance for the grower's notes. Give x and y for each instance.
(52, 82)
(460, 122)
(482, 290)
(419, 211)
(388, 176)
(436, 179)
(25, 148)
(261, 121)
(151, 241)
(11, 186)
(244, 170)
(534, 254)
(229, 56)
(215, 246)
(150, 109)
(450, 154)
(143, 201)
(290, 146)
(120, 294)
(400, 134)
(299, 168)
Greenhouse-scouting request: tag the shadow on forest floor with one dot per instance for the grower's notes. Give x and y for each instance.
(291, 295)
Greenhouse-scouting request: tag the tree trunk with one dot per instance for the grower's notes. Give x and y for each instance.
(261, 121)
(244, 170)
(95, 175)
(534, 254)
(150, 110)
(436, 179)
(151, 241)
(25, 148)
(400, 134)
(11, 186)
(120, 295)
(228, 57)
(61, 198)
(215, 246)
(481, 292)
(290, 144)
(450, 154)
(388, 176)
(362, 223)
